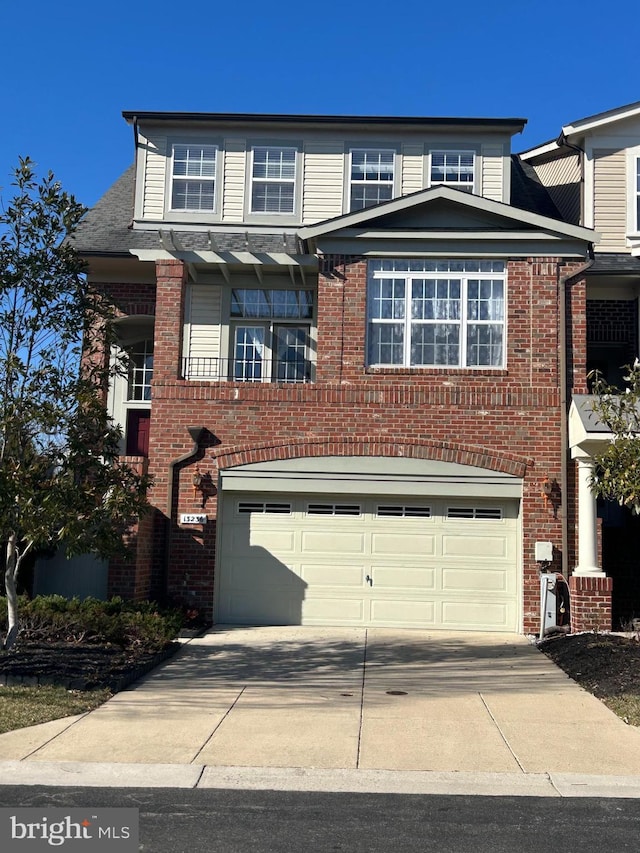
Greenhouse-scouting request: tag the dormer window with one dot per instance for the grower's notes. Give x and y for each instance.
(372, 176)
(453, 168)
(193, 181)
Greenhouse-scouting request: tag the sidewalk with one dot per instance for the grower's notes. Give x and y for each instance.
(352, 709)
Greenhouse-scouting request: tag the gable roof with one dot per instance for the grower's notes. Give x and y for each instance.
(556, 147)
(495, 214)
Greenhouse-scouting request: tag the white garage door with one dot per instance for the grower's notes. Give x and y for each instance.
(349, 560)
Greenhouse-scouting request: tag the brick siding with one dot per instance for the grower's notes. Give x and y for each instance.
(505, 420)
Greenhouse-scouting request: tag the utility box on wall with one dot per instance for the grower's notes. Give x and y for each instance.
(544, 552)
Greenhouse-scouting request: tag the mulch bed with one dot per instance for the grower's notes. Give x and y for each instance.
(78, 667)
(606, 665)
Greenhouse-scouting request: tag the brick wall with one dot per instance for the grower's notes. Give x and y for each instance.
(506, 420)
(590, 603)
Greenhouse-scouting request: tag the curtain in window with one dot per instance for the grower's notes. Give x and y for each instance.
(248, 365)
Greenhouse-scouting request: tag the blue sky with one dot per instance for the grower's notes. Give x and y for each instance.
(69, 68)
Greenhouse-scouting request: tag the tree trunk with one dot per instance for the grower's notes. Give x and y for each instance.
(10, 577)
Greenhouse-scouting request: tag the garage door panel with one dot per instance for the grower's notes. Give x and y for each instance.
(330, 575)
(475, 579)
(475, 546)
(245, 607)
(262, 570)
(477, 614)
(333, 542)
(403, 612)
(408, 543)
(240, 543)
(400, 577)
(322, 611)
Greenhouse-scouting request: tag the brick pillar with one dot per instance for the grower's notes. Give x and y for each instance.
(171, 282)
(590, 603)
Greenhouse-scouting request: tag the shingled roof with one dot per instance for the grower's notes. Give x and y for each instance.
(107, 228)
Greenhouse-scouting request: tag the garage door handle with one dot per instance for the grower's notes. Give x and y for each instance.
(369, 580)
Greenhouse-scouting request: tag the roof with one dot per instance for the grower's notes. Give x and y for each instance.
(463, 200)
(514, 124)
(578, 128)
(609, 263)
(106, 230)
(107, 227)
(590, 421)
(527, 192)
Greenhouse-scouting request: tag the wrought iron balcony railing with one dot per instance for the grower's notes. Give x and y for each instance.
(297, 370)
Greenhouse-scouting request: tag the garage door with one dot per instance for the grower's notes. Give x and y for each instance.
(349, 560)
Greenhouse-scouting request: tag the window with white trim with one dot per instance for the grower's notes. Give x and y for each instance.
(271, 335)
(372, 173)
(273, 179)
(193, 177)
(453, 168)
(436, 313)
(140, 364)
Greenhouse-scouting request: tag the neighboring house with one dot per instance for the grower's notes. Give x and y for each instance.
(348, 373)
(592, 173)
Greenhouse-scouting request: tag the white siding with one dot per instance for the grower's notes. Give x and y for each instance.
(323, 186)
(492, 172)
(202, 334)
(412, 169)
(561, 177)
(154, 176)
(234, 180)
(609, 203)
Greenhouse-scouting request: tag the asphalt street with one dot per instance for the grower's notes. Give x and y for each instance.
(222, 821)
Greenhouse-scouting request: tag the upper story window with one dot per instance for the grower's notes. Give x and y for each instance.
(436, 313)
(372, 175)
(140, 358)
(273, 179)
(193, 177)
(271, 335)
(453, 168)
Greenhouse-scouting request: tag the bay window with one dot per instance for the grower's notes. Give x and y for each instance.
(436, 313)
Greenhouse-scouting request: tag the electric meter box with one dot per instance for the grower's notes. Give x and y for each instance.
(544, 552)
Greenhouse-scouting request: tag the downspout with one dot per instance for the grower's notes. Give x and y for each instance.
(135, 167)
(196, 434)
(562, 282)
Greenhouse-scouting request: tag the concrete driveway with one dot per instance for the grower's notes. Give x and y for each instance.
(353, 699)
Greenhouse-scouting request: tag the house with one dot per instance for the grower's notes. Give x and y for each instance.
(350, 357)
(592, 173)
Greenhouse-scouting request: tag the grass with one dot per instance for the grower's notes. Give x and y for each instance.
(27, 706)
(626, 707)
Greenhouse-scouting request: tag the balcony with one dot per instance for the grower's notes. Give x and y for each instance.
(289, 370)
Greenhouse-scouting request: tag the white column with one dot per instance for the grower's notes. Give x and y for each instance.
(587, 523)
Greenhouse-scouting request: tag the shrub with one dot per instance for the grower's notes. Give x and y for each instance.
(126, 624)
